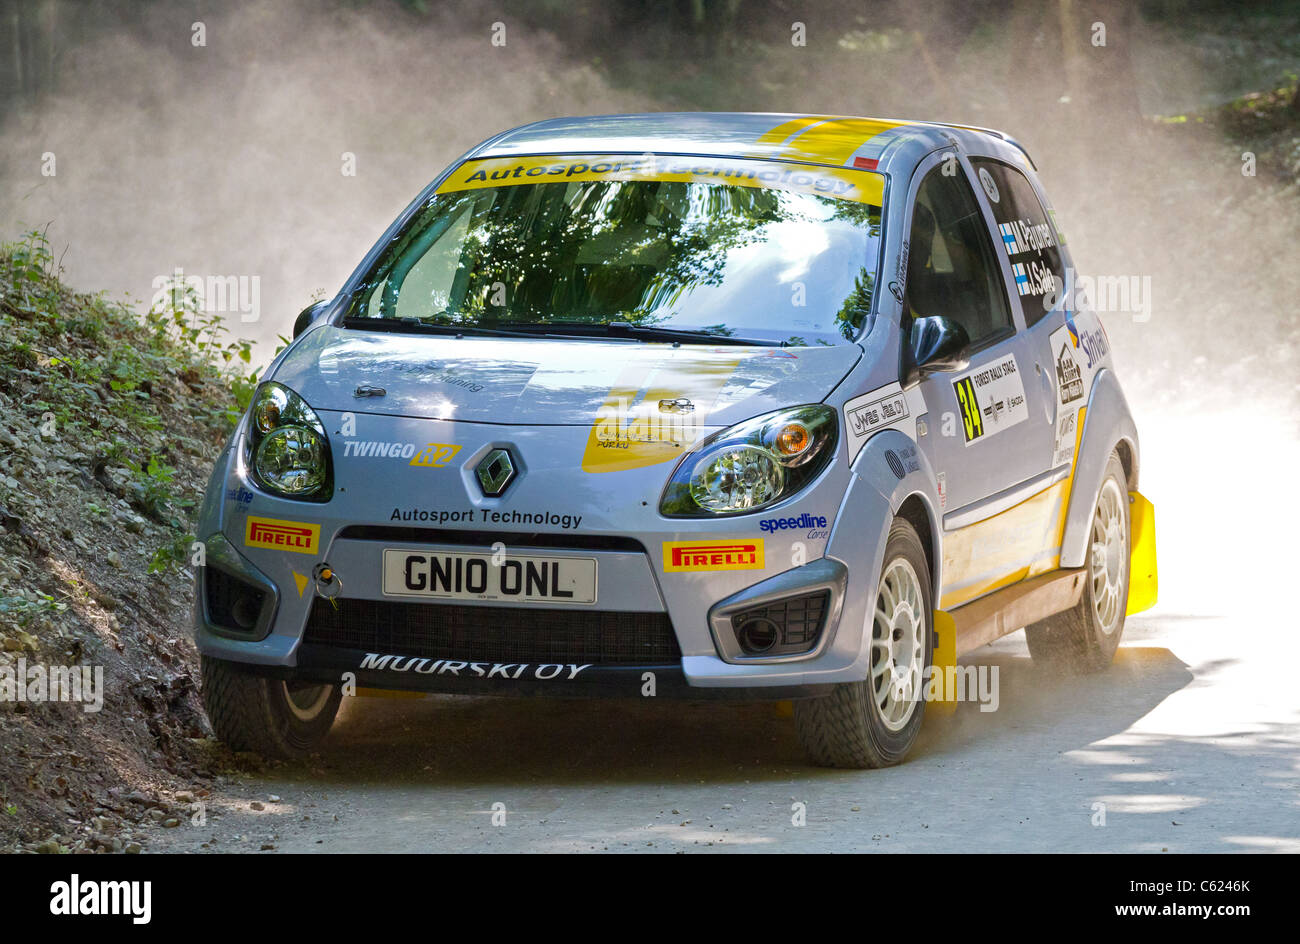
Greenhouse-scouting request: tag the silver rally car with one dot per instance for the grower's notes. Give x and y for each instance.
(770, 406)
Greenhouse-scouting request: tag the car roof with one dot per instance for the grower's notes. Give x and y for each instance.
(884, 144)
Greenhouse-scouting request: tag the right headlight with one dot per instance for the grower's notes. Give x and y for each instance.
(753, 464)
(289, 451)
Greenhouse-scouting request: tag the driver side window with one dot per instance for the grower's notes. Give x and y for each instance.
(951, 268)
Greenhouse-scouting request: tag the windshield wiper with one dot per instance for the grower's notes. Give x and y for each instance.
(614, 330)
(623, 330)
(417, 326)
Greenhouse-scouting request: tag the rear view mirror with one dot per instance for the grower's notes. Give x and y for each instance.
(938, 343)
(307, 316)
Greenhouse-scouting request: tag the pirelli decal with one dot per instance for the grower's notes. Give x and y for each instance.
(296, 536)
(682, 556)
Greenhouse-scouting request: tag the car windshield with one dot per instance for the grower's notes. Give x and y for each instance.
(741, 250)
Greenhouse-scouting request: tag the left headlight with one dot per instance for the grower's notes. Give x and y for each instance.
(753, 464)
(288, 450)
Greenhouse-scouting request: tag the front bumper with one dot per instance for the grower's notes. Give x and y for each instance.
(620, 528)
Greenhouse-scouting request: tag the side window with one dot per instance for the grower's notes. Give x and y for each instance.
(951, 266)
(1028, 237)
(427, 288)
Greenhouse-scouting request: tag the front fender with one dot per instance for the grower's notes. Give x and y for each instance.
(875, 494)
(1107, 422)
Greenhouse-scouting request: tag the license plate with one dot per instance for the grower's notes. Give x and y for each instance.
(472, 576)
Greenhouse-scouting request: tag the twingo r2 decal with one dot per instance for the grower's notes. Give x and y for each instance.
(887, 407)
(991, 398)
(857, 186)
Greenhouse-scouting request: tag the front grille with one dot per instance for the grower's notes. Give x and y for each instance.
(494, 634)
(516, 539)
(796, 621)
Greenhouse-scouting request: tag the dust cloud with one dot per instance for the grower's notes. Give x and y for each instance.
(226, 160)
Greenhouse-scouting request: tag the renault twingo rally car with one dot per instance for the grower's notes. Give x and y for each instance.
(778, 406)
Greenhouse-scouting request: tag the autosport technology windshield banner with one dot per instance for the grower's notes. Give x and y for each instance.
(841, 183)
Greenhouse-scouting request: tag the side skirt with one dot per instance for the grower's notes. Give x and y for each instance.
(991, 617)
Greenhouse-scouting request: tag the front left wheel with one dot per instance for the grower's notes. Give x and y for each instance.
(275, 718)
(875, 722)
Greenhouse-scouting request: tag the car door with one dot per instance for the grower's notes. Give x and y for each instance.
(1030, 247)
(988, 427)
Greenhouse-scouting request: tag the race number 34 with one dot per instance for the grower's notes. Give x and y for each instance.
(972, 424)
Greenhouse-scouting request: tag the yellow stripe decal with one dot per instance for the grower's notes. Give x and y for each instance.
(834, 142)
(788, 129)
(632, 431)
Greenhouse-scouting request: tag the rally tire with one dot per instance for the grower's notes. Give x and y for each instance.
(848, 727)
(277, 719)
(1085, 637)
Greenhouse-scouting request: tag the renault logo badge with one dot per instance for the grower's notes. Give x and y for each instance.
(495, 472)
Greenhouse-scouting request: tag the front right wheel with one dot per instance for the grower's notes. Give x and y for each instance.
(875, 722)
(275, 718)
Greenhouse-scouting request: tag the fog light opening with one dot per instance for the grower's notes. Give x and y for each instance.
(758, 635)
(245, 611)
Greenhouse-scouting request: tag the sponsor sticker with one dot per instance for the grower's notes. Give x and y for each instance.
(239, 495)
(839, 183)
(435, 455)
(991, 398)
(990, 187)
(296, 536)
(1063, 446)
(565, 672)
(631, 431)
(682, 556)
(884, 408)
(802, 522)
(1069, 377)
(550, 519)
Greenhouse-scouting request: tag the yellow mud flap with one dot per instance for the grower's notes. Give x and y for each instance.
(1142, 582)
(941, 697)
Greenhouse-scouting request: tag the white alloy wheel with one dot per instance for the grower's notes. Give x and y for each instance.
(306, 701)
(1108, 564)
(897, 645)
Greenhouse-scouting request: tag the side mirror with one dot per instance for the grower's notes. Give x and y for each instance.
(307, 316)
(938, 343)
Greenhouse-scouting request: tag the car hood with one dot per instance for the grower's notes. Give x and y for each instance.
(553, 382)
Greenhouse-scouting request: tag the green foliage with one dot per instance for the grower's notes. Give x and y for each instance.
(175, 552)
(177, 318)
(19, 611)
(114, 380)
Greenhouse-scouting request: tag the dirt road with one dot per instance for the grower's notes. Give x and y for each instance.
(1190, 741)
